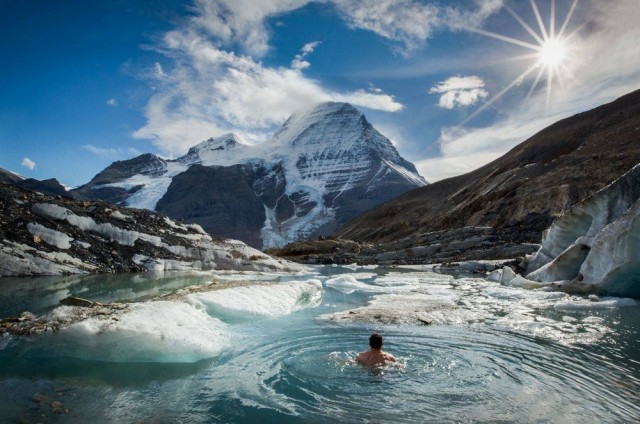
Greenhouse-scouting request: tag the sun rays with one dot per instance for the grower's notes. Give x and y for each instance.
(549, 52)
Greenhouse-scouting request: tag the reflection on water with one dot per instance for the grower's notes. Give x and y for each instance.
(512, 361)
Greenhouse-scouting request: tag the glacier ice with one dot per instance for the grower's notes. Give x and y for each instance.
(258, 301)
(347, 284)
(147, 332)
(595, 246)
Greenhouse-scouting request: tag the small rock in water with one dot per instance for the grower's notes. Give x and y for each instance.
(77, 301)
(594, 298)
(27, 316)
(39, 398)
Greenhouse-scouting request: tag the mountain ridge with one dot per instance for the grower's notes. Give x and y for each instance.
(499, 210)
(326, 164)
(551, 149)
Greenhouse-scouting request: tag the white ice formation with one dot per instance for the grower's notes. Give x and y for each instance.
(186, 329)
(259, 301)
(595, 246)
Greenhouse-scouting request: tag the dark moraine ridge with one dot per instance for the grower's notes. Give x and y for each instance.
(502, 207)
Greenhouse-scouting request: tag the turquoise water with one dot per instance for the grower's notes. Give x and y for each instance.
(516, 356)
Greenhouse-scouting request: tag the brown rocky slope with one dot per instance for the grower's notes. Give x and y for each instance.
(502, 207)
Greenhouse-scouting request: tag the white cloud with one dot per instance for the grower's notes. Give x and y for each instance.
(371, 100)
(28, 163)
(298, 61)
(241, 22)
(459, 91)
(409, 23)
(207, 89)
(112, 102)
(210, 91)
(111, 153)
(606, 65)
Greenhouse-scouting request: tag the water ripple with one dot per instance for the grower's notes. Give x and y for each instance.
(447, 374)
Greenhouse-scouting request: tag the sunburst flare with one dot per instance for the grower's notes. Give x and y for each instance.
(550, 52)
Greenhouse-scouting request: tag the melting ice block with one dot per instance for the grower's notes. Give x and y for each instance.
(581, 304)
(268, 301)
(147, 332)
(348, 284)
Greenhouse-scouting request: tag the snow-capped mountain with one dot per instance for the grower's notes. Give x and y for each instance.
(321, 168)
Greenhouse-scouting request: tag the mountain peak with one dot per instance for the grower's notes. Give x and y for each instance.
(216, 150)
(222, 142)
(334, 107)
(323, 166)
(322, 122)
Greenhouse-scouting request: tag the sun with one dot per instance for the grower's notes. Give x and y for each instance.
(549, 52)
(553, 53)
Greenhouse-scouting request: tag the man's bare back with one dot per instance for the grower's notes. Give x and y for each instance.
(375, 355)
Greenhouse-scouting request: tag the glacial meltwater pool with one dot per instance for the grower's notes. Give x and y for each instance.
(470, 350)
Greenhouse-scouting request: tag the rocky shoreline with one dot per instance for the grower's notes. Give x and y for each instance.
(447, 246)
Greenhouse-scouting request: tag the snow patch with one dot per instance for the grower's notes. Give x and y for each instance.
(121, 216)
(49, 236)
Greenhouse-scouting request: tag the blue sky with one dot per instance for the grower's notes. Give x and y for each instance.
(86, 83)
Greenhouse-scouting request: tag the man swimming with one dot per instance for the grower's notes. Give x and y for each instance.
(375, 355)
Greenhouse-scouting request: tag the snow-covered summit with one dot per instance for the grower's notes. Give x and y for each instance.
(336, 137)
(228, 149)
(321, 168)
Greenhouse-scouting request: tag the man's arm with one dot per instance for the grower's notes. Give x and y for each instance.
(389, 357)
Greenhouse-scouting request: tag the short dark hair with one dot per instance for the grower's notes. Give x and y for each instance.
(375, 341)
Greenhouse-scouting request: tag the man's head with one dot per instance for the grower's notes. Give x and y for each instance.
(375, 341)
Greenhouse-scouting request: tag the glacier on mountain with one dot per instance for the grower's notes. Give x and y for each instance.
(321, 168)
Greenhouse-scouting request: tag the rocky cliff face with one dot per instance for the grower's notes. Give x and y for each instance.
(320, 169)
(219, 198)
(524, 189)
(43, 235)
(122, 179)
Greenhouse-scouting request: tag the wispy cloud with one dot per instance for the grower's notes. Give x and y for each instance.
(208, 87)
(112, 153)
(240, 22)
(298, 61)
(409, 23)
(210, 91)
(112, 102)
(459, 91)
(28, 163)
